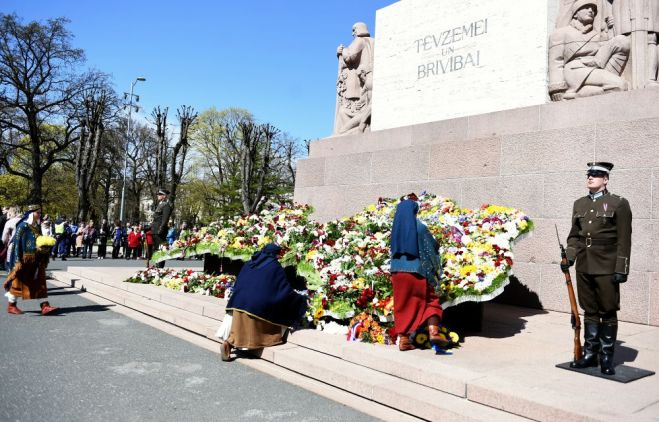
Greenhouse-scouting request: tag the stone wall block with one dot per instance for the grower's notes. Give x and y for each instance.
(440, 132)
(310, 172)
(479, 191)
(643, 246)
(447, 188)
(629, 145)
(547, 151)
(613, 107)
(528, 275)
(634, 298)
(560, 192)
(554, 294)
(328, 201)
(352, 169)
(516, 192)
(400, 165)
(474, 158)
(655, 193)
(505, 122)
(358, 197)
(636, 186)
(360, 143)
(542, 246)
(653, 297)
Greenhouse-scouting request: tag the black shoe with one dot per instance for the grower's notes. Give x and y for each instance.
(63, 259)
(591, 347)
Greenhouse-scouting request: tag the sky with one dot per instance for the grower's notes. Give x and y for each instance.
(276, 59)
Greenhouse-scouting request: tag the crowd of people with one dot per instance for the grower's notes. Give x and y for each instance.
(90, 240)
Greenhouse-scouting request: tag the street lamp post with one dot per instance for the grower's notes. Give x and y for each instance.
(130, 109)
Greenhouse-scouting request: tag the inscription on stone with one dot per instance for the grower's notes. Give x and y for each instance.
(442, 59)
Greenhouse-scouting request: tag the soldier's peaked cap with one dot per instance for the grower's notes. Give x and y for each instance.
(600, 166)
(163, 192)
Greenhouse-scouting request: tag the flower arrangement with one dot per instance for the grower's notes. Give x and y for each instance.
(45, 242)
(186, 281)
(346, 261)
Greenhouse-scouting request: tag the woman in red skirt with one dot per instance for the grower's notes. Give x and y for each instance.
(415, 266)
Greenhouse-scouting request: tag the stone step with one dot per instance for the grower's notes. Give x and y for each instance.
(500, 369)
(398, 393)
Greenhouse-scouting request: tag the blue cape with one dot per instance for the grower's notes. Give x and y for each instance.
(263, 291)
(404, 230)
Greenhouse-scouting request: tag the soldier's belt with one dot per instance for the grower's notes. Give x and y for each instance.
(589, 241)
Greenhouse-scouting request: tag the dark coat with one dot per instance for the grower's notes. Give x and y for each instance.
(160, 219)
(601, 236)
(263, 291)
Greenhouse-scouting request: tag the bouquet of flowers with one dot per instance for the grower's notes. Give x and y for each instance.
(45, 243)
(185, 280)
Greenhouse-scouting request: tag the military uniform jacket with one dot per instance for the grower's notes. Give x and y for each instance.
(160, 219)
(600, 239)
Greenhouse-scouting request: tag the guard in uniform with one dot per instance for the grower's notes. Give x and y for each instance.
(160, 220)
(600, 243)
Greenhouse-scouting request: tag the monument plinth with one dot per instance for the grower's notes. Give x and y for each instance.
(481, 136)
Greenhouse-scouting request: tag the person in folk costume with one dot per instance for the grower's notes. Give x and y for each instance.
(263, 304)
(27, 277)
(415, 267)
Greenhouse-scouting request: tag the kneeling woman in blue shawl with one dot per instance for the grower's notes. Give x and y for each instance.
(263, 304)
(415, 268)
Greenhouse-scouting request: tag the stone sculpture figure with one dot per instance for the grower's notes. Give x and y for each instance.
(583, 61)
(640, 18)
(355, 83)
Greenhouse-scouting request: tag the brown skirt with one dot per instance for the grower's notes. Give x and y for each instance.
(253, 333)
(28, 279)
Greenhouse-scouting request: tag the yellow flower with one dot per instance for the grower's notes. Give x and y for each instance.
(455, 338)
(421, 338)
(264, 241)
(358, 283)
(309, 256)
(319, 313)
(468, 269)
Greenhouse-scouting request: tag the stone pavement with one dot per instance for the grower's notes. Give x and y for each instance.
(507, 372)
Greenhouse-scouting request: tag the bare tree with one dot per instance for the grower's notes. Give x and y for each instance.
(255, 162)
(98, 102)
(160, 121)
(186, 116)
(37, 85)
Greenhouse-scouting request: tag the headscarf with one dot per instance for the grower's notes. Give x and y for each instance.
(404, 230)
(265, 255)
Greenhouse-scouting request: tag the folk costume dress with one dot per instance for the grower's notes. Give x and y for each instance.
(27, 279)
(415, 265)
(263, 303)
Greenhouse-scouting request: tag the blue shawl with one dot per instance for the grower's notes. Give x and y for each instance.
(404, 231)
(263, 291)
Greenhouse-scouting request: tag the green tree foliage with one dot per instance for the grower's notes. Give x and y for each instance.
(38, 85)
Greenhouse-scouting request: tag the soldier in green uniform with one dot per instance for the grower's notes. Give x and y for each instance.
(600, 243)
(160, 220)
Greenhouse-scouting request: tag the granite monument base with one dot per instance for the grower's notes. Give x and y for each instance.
(531, 158)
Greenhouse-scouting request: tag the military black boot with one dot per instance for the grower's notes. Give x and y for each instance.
(591, 346)
(608, 335)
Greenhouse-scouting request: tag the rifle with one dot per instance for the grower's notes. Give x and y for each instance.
(576, 321)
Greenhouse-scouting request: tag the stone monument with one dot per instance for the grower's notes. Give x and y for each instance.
(354, 83)
(461, 108)
(583, 60)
